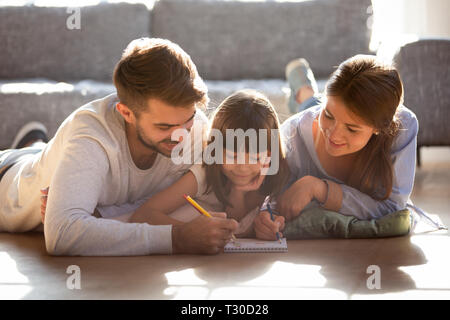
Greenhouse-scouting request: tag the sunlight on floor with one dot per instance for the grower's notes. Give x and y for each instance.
(282, 281)
(434, 274)
(185, 277)
(13, 284)
(431, 279)
(283, 274)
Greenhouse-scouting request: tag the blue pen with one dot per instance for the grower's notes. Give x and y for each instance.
(271, 217)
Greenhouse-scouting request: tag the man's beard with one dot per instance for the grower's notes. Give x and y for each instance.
(151, 144)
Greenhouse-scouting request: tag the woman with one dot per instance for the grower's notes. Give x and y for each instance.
(354, 152)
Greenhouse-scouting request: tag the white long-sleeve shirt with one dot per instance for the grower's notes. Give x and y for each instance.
(88, 164)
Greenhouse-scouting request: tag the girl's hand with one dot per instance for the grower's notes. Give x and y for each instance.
(267, 229)
(295, 199)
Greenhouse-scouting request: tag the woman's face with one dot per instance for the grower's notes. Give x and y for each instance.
(344, 133)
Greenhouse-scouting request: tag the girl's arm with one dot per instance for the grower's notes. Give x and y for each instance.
(156, 209)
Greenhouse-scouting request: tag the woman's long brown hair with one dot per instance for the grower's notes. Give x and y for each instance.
(246, 109)
(373, 91)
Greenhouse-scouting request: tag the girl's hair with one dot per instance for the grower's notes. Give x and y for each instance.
(373, 91)
(246, 109)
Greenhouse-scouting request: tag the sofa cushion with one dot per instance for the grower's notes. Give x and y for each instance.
(36, 41)
(50, 102)
(43, 100)
(241, 40)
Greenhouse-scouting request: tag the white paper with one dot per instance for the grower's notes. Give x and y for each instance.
(255, 245)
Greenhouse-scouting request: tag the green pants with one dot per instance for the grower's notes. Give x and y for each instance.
(320, 223)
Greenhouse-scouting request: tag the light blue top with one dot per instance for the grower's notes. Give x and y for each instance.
(302, 159)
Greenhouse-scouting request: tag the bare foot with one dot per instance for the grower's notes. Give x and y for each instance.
(304, 94)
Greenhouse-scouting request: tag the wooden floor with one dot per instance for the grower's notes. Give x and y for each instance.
(412, 267)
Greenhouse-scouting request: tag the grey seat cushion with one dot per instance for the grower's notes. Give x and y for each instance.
(36, 41)
(43, 100)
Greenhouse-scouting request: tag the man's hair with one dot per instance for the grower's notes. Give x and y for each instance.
(157, 68)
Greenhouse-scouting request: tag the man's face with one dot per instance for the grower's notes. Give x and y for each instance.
(154, 126)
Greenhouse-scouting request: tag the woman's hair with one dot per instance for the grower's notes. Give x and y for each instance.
(157, 68)
(373, 91)
(247, 109)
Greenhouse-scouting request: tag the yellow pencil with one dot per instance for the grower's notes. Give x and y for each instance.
(197, 206)
(200, 209)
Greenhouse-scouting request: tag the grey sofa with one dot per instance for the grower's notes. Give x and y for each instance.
(424, 68)
(48, 70)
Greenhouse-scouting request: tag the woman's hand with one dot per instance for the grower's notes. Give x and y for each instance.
(267, 229)
(302, 192)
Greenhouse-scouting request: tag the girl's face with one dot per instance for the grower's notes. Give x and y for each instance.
(344, 133)
(241, 173)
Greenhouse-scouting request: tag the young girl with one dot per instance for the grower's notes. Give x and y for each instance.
(354, 152)
(238, 189)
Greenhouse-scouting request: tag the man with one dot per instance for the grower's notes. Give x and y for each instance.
(113, 151)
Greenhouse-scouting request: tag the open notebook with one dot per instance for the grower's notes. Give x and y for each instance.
(255, 245)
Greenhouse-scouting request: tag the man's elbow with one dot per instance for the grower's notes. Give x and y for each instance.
(51, 245)
(56, 242)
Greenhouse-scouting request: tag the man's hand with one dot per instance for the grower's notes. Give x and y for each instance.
(203, 235)
(267, 229)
